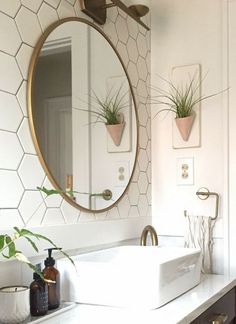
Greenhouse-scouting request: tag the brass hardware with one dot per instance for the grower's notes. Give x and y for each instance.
(139, 10)
(149, 229)
(204, 193)
(106, 195)
(97, 10)
(218, 319)
(69, 182)
(30, 106)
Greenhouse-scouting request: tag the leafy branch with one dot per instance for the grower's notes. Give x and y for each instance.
(8, 248)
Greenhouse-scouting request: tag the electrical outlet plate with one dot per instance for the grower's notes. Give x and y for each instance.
(184, 171)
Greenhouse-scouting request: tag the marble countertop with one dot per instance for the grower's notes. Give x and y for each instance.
(181, 310)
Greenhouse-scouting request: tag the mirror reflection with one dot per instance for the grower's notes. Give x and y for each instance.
(78, 83)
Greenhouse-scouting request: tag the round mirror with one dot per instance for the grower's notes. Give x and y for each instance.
(82, 114)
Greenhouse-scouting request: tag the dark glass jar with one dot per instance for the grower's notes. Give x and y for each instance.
(38, 296)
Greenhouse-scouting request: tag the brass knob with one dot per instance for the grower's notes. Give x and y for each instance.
(218, 319)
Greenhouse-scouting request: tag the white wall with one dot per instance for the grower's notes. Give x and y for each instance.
(184, 33)
(21, 25)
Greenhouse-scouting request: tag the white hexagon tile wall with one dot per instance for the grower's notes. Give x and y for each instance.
(21, 25)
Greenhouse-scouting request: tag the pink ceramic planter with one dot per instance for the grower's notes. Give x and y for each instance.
(185, 125)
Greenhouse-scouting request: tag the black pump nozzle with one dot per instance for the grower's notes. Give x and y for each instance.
(49, 262)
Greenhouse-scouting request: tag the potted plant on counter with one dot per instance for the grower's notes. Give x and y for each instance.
(14, 300)
(181, 100)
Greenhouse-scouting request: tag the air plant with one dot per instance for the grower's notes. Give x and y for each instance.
(109, 109)
(182, 99)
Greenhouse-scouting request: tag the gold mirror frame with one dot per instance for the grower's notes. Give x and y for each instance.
(31, 76)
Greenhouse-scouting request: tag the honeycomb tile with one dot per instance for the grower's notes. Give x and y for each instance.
(53, 3)
(11, 189)
(134, 212)
(136, 173)
(149, 194)
(149, 172)
(32, 5)
(132, 27)
(23, 59)
(142, 45)
(11, 152)
(47, 15)
(143, 139)
(53, 216)
(121, 48)
(72, 2)
(143, 206)
(21, 97)
(10, 76)
(25, 137)
(132, 50)
(65, 9)
(10, 7)
(142, 68)
(148, 150)
(10, 112)
(142, 182)
(142, 91)
(113, 213)
(123, 206)
(133, 193)
(143, 115)
(32, 208)
(133, 73)
(10, 40)
(28, 25)
(143, 160)
(112, 14)
(70, 213)
(110, 30)
(122, 30)
(10, 218)
(86, 217)
(31, 172)
(148, 129)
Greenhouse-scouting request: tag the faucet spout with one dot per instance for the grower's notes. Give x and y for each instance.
(149, 229)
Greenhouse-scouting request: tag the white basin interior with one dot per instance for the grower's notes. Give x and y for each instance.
(130, 276)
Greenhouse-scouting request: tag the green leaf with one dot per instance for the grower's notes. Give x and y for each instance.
(32, 243)
(17, 230)
(24, 232)
(2, 241)
(21, 257)
(11, 246)
(48, 192)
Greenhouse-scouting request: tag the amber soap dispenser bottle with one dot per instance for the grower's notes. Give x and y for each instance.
(51, 274)
(38, 295)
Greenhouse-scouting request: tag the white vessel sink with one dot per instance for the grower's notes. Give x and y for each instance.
(130, 276)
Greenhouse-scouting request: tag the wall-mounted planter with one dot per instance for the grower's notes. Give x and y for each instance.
(116, 132)
(184, 126)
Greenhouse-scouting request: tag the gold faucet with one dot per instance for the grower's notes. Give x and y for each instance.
(146, 230)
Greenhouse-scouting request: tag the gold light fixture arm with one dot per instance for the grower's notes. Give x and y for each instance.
(97, 10)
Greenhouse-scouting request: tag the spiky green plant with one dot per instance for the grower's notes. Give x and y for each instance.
(108, 110)
(182, 99)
